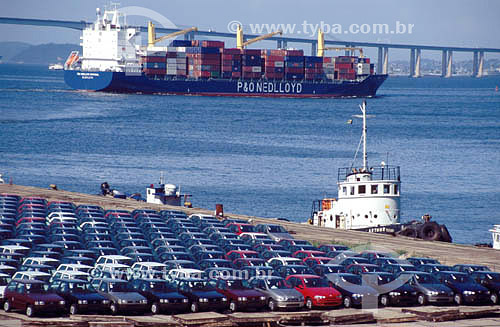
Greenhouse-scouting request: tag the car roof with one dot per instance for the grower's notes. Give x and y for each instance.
(304, 276)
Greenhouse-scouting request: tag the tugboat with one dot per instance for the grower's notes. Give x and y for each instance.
(369, 200)
(168, 194)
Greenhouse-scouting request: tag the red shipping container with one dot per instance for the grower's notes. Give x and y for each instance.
(212, 44)
(236, 74)
(327, 60)
(294, 70)
(154, 59)
(251, 52)
(295, 53)
(151, 71)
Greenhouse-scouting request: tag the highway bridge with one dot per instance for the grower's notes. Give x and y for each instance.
(282, 42)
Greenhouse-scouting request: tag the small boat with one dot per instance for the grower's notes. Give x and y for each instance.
(495, 233)
(56, 67)
(168, 194)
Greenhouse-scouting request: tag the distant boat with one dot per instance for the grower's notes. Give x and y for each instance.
(56, 67)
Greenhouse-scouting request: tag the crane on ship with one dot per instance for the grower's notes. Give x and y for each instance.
(321, 46)
(152, 40)
(241, 43)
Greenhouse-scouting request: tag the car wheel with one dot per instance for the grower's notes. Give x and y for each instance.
(458, 299)
(309, 303)
(194, 307)
(494, 298)
(155, 308)
(384, 300)
(347, 302)
(29, 311)
(232, 306)
(6, 306)
(113, 308)
(421, 299)
(272, 305)
(73, 309)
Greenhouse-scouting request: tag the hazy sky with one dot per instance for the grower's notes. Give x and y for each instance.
(470, 23)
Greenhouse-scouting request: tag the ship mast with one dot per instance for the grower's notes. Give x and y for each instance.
(365, 156)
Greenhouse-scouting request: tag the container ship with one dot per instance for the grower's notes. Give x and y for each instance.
(114, 60)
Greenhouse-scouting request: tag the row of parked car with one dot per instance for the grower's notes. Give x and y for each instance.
(57, 257)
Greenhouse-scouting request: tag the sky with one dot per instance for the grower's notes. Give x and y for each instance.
(468, 23)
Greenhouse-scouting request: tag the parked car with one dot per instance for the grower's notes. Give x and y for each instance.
(352, 288)
(316, 291)
(420, 261)
(121, 297)
(275, 232)
(162, 296)
(288, 270)
(465, 288)
(490, 280)
(324, 269)
(33, 297)
(279, 294)
(433, 268)
(80, 296)
(470, 268)
(240, 294)
(202, 295)
(393, 291)
(429, 289)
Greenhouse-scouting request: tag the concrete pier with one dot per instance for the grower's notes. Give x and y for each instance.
(412, 62)
(481, 64)
(417, 64)
(449, 64)
(385, 69)
(443, 63)
(379, 60)
(447, 253)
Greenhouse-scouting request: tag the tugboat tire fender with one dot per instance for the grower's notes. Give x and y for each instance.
(445, 235)
(408, 232)
(430, 231)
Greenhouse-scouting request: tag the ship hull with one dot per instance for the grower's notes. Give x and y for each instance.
(119, 82)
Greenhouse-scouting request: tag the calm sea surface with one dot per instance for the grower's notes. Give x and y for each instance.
(263, 157)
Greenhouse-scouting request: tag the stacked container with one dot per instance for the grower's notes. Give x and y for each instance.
(294, 64)
(154, 63)
(329, 67)
(231, 63)
(344, 67)
(251, 64)
(204, 62)
(313, 68)
(274, 63)
(176, 61)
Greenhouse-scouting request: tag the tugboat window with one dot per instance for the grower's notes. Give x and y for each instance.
(396, 189)
(352, 190)
(386, 188)
(375, 189)
(344, 190)
(361, 189)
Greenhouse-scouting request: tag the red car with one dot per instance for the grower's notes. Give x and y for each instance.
(241, 295)
(316, 291)
(241, 228)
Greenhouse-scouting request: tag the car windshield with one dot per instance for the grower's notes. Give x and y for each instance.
(315, 282)
(247, 228)
(425, 279)
(161, 286)
(237, 284)
(36, 288)
(352, 279)
(80, 287)
(118, 287)
(124, 261)
(459, 278)
(275, 284)
(200, 286)
(493, 277)
(276, 229)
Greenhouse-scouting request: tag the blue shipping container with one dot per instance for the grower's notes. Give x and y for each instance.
(156, 65)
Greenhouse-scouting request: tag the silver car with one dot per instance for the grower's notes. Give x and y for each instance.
(275, 232)
(279, 294)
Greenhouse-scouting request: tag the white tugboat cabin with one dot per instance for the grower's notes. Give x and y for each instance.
(367, 196)
(495, 233)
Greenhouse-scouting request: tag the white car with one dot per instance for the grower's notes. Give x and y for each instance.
(175, 274)
(61, 217)
(32, 275)
(74, 267)
(150, 270)
(113, 259)
(4, 280)
(70, 275)
(41, 261)
(283, 261)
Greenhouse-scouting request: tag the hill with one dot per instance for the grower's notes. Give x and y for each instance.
(43, 54)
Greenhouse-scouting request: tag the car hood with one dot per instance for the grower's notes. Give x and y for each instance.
(287, 293)
(129, 296)
(45, 297)
(168, 295)
(325, 291)
(246, 293)
(460, 287)
(436, 287)
(358, 289)
(88, 296)
(207, 294)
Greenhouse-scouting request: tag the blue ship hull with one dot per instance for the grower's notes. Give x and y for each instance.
(120, 82)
